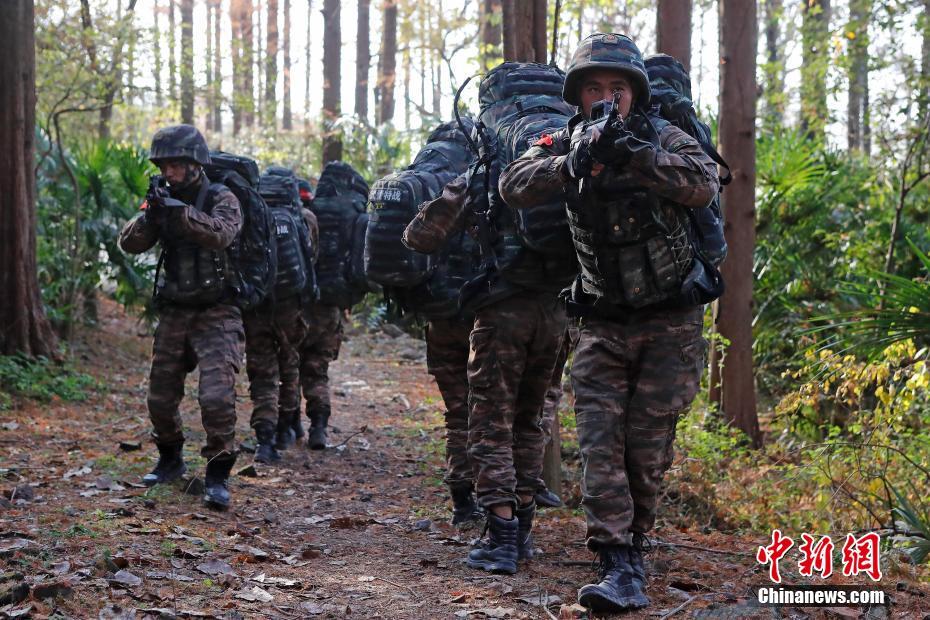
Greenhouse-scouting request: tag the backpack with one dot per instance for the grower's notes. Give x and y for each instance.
(395, 200)
(671, 100)
(254, 253)
(278, 187)
(279, 190)
(339, 204)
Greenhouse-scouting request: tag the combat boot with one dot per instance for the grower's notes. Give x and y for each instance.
(265, 451)
(499, 553)
(619, 588)
(464, 508)
(298, 426)
(170, 465)
(641, 546)
(525, 516)
(216, 481)
(285, 436)
(318, 422)
(547, 499)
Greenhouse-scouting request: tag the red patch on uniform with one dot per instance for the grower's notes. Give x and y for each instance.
(144, 205)
(545, 140)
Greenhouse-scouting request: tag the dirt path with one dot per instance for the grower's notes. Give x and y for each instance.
(356, 531)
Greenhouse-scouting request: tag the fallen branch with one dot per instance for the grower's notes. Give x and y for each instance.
(677, 609)
(355, 434)
(397, 585)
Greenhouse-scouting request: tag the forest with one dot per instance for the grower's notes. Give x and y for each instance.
(814, 403)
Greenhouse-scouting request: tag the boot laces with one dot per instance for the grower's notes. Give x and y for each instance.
(641, 543)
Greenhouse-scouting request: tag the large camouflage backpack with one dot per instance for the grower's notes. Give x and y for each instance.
(670, 86)
(254, 252)
(395, 200)
(339, 206)
(295, 268)
(533, 247)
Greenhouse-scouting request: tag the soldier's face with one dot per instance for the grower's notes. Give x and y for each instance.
(178, 172)
(600, 84)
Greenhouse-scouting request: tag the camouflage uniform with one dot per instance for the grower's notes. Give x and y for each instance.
(210, 337)
(554, 393)
(447, 360)
(513, 348)
(318, 349)
(634, 371)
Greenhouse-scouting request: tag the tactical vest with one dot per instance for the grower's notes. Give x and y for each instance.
(189, 274)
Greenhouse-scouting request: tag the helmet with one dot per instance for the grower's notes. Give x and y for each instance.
(179, 142)
(306, 191)
(607, 51)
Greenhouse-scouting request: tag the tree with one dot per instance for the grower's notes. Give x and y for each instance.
(857, 110)
(217, 83)
(271, 65)
(815, 35)
(332, 46)
(738, 35)
(286, 120)
(673, 30)
(172, 48)
(773, 70)
(187, 61)
(208, 57)
(387, 62)
(156, 50)
(24, 327)
(491, 21)
(307, 62)
(525, 30)
(362, 60)
(241, 48)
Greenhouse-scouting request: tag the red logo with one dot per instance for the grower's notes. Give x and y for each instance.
(544, 140)
(773, 553)
(860, 555)
(817, 557)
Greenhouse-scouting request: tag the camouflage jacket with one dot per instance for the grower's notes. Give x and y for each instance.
(215, 230)
(314, 227)
(439, 218)
(678, 170)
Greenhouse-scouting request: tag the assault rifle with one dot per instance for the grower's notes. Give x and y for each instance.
(158, 197)
(605, 127)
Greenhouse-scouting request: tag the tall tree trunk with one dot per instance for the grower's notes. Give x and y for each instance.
(187, 61)
(235, 51)
(491, 21)
(208, 59)
(332, 58)
(287, 121)
(509, 16)
(217, 67)
(156, 51)
(525, 30)
(407, 34)
(307, 63)
(248, 63)
(172, 58)
(924, 91)
(815, 35)
(673, 30)
(387, 63)
(738, 37)
(271, 65)
(362, 60)
(858, 40)
(774, 68)
(24, 327)
(436, 31)
(258, 59)
(425, 30)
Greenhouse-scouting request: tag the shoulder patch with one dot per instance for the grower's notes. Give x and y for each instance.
(544, 140)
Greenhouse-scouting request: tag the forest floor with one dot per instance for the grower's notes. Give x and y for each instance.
(359, 530)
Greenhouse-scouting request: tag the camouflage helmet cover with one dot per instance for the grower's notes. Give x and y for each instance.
(607, 51)
(179, 142)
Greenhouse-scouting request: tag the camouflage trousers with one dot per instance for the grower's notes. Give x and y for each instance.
(319, 348)
(631, 382)
(273, 333)
(514, 346)
(447, 360)
(211, 338)
(554, 393)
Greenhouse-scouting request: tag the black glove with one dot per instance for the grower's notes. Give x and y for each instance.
(621, 151)
(578, 161)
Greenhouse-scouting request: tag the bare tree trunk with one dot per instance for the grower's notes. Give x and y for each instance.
(435, 29)
(924, 92)
(286, 120)
(271, 65)
(509, 15)
(258, 59)
(156, 51)
(859, 16)
(815, 34)
(552, 459)
(362, 59)
(673, 30)
(172, 58)
(307, 63)
(774, 69)
(209, 66)
(332, 48)
(738, 37)
(24, 327)
(187, 61)
(248, 63)
(235, 47)
(407, 34)
(217, 67)
(387, 63)
(491, 22)
(539, 36)
(525, 30)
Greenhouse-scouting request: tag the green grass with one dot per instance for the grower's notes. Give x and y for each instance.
(43, 380)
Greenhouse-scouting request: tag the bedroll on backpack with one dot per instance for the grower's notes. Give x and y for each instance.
(279, 191)
(671, 100)
(254, 251)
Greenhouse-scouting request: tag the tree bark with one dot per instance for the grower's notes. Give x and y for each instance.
(362, 59)
(235, 49)
(525, 30)
(24, 327)
(248, 61)
(491, 22)
(172, 58)
(856, 111)
(738, 37)
(815, 35)
(271, 65)
(209, 63)
(156, 51)
(509, 14)
(187, 61)
(387, 63)
(286, 119)
(924, 91)
(332, 53)
(552, 459)
(307, 63)
(673, 30)
(217, 67)
(774, 68)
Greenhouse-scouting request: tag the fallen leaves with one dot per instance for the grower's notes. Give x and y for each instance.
(125, 578)
(215, 567)
(255, 594)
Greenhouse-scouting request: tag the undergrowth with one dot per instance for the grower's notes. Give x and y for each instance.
(43, 380)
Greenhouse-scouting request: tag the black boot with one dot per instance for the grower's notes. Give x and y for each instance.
(525, 516)
(499, 553)
(265, 451)
(547, 499)
(464, 508)
(298, 426)
(318, 423)
(285, 437)
(619, 588)
(170, 465)
(216, 481)
(640, 547)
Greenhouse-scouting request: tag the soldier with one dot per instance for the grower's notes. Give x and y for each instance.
(313, 226)
(640, 353)
(199, 323)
